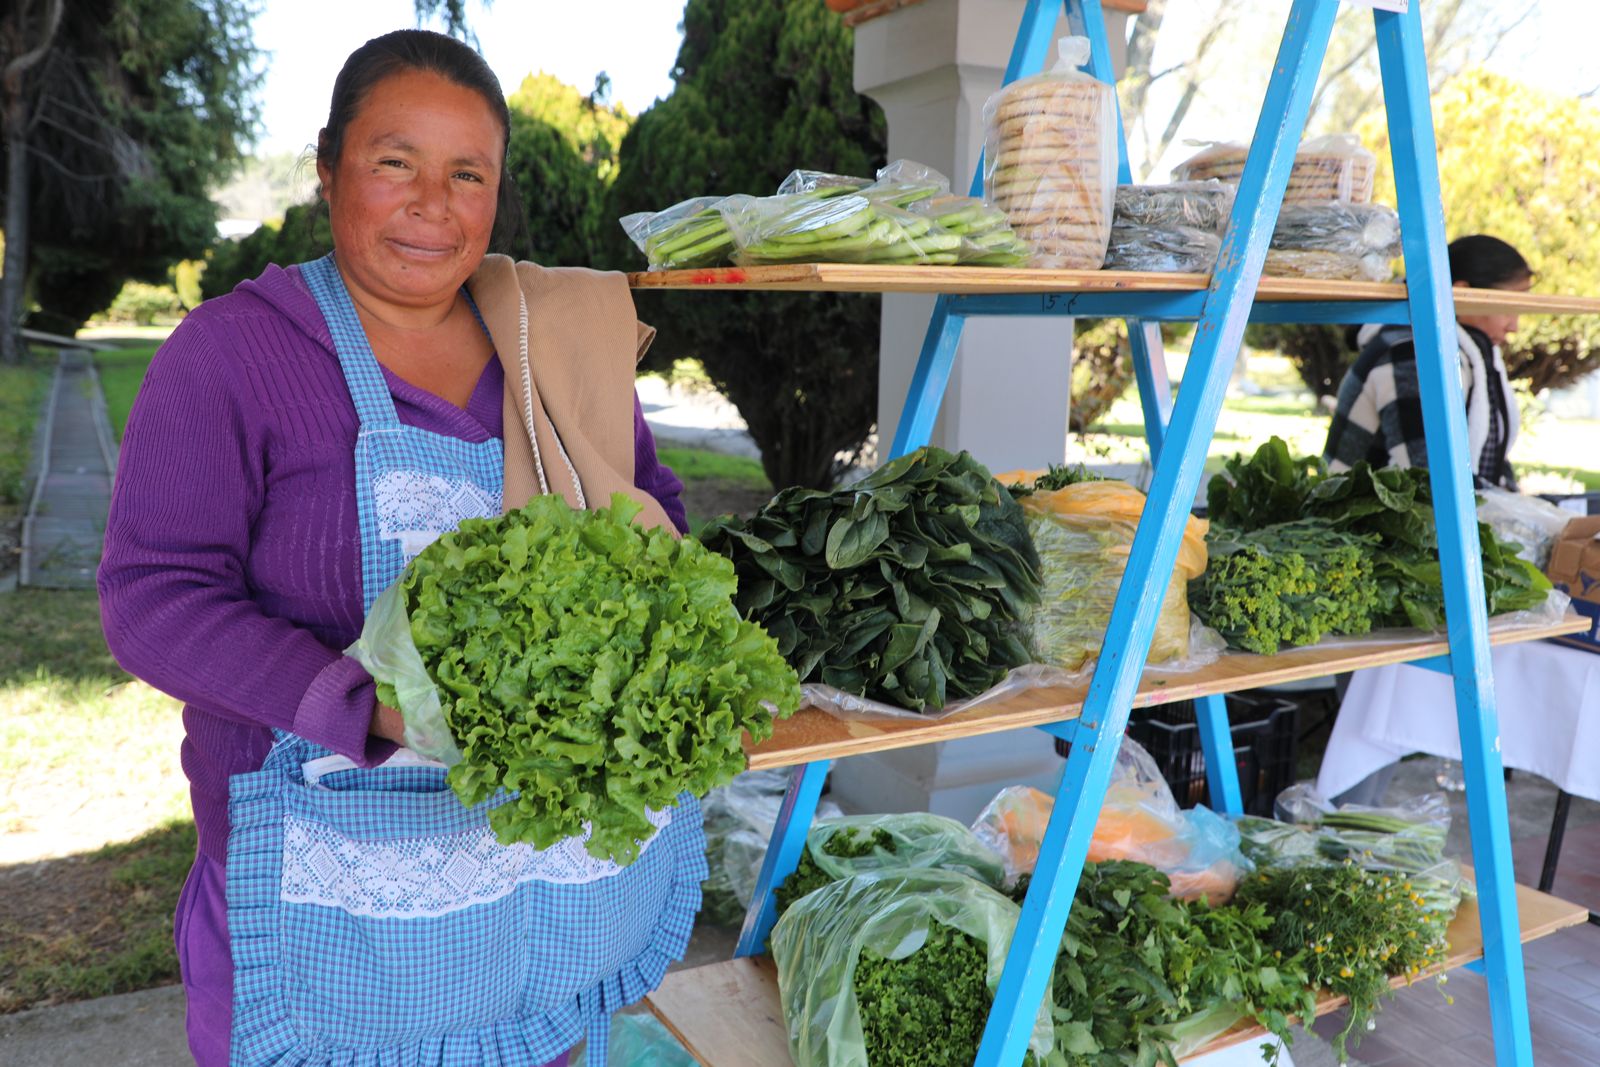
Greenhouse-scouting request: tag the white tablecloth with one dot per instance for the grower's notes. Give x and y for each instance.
(1548, 700)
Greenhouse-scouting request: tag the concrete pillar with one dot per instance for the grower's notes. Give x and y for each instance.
(931, 66)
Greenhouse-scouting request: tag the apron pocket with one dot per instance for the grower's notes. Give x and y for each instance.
(362, 981)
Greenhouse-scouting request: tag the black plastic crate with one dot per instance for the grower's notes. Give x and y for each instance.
(1265, 732)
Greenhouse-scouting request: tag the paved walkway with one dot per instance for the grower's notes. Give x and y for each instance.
(66, 520)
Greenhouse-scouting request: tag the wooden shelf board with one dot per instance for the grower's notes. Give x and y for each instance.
(812, 734)
(975, 281)
(867, 10)
(729, 1013)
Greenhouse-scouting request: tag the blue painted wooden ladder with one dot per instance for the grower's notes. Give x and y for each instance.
(1221, 312)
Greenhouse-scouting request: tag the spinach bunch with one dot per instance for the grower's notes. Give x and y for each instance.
(591, 669)
(909, 586)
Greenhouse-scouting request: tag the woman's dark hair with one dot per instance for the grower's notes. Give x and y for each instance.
(423, 50)
(1485, 262)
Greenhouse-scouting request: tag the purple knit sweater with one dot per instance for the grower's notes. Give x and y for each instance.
(231, 577)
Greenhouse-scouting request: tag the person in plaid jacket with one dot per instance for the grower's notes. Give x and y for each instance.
(1379, 413)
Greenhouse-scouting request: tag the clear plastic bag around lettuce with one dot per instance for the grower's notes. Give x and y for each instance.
(1533, 523)
(1165, 248)
(902, 841)
(386, 650)
(739, 818)
(1335, 167)
(1050, 160)
(1197, 849)
(851, 228)
(1205, 646)
(639, 1040)
(1203, 205)
(688, 234)
(818, 944)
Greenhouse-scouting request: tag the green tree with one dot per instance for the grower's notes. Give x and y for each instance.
(761, 89)
(1520, 163)
(135, 110)
(562, 157)
(304, 234)
(591, 125)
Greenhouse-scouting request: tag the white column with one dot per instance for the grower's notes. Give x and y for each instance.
(931, 66)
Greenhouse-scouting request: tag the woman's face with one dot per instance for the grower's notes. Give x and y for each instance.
(1498, 327)
(412, 196)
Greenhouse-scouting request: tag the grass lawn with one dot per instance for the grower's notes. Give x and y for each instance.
(22, 394)
(121, 373)
(1547, 454)
(716, 484)
(95, 834)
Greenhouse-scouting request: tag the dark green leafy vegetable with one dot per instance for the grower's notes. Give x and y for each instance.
(1056, 477)
(1269, 488)
(808, 876)
(1286, 584)
(591, 668)
(908, 587)
(1350, 929)
(929, 1009)
(1135, 965)
(1394, 504)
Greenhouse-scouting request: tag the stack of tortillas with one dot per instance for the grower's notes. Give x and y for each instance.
(1050, 161)
(1336, 167)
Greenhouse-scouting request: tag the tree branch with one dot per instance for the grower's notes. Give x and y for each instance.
(20, 65)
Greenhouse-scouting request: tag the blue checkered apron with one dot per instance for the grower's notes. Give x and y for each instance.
(375, 921)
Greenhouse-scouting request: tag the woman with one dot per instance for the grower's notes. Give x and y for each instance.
(295, 443)
(1379, 412)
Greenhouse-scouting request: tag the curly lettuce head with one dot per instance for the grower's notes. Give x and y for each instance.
(591, 668)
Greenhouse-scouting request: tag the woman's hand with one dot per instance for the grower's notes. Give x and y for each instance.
(387, 724)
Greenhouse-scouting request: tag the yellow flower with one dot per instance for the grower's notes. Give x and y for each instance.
(1345, 972)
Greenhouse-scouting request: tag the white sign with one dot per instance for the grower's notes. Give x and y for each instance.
(1400, 6)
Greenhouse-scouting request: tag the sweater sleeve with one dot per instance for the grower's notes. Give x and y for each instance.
(651, 475)
(175, 599)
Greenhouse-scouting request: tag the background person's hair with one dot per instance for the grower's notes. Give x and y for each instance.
(403, 51)
(1485, 262)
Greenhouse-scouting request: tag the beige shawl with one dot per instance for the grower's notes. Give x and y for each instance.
(569, 341)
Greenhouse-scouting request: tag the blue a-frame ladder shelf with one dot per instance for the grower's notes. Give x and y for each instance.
(704, 1006)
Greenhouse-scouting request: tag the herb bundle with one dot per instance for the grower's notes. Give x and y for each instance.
(1350, 929)
(1290, 583)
